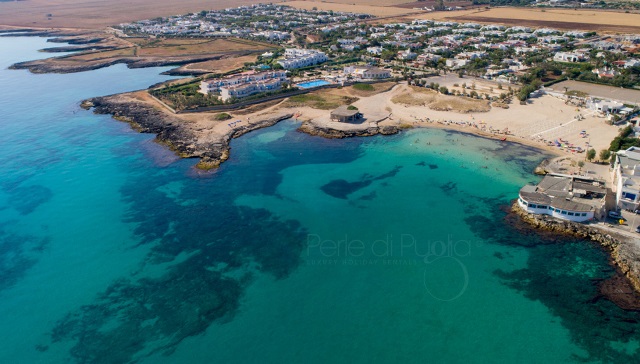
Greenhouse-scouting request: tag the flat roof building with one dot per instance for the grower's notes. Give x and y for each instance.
(344, 115)
(564, 197)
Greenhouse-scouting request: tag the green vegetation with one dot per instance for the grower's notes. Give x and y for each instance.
(322, 102)
(363, 87)
(624, 140)
(605, 154)
(591, 153)
(351, 107)
(576, 93)
(222, 116)
(185, 96)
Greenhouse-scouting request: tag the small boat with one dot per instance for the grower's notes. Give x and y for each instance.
(503, 139)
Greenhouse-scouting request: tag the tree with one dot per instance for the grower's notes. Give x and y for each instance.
(591, 153)
(605, 154)
(444, 90)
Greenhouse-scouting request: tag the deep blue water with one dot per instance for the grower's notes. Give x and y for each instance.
(298, 249)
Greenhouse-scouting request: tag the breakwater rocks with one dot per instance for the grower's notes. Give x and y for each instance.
(331, 133)
(624, 252)
(175, 133)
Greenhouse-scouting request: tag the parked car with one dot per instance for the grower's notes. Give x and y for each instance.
(638, 229)
(615, 215)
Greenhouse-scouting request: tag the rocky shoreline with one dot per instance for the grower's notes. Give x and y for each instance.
(624, 287)
(48, 66)
(330, 133)
(172, 131)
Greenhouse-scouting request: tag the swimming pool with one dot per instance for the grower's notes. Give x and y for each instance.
(311, 84)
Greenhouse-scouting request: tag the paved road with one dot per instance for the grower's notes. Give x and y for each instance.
(616, 93)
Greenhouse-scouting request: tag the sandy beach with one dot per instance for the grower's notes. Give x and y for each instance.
(542, 120)
(387, 110)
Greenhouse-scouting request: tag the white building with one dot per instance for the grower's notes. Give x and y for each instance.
(455, 63)
(299, 58)
(376, 51)
(367, 72)
(558, 195)
(407, 55)
(631, 62)
(248, 89)
(429, 57)
(626, 178)
(605, 106)
(244, 84)
(568, 57)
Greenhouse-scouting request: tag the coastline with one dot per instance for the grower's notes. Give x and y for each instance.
(623, 251)
(173, 132)
(180, 136)
(186, 135)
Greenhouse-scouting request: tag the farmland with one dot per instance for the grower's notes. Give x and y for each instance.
(554, 18)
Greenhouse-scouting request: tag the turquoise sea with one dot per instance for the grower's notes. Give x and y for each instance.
(297, 250)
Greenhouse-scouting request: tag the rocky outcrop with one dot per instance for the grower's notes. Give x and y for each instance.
(77, 40)
(79, 48)
(622, 289)
(331, 133)
(171, 131)
(144, 118)
(59, 65)
(541, 169)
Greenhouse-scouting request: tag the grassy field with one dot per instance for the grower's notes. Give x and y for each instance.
(94, 56)
(190, 47)
(223, 65)
(319, 100)
(435, 101)
(180, 48)
(366, 90)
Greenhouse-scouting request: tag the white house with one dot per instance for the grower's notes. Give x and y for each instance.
(454, 63)
(428, 57)
(626, 178)
(568, 57)
(407, 55)
(367, 72)
(298, 58)
(631, 62)
(605, 106)
(376, 51)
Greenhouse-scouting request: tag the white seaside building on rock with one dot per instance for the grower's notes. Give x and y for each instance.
(564, 197)
(299, 58)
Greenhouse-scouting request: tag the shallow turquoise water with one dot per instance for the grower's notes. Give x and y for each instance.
(298, 249)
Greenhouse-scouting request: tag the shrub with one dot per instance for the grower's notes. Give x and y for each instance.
(363, 87)
(222, 116)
